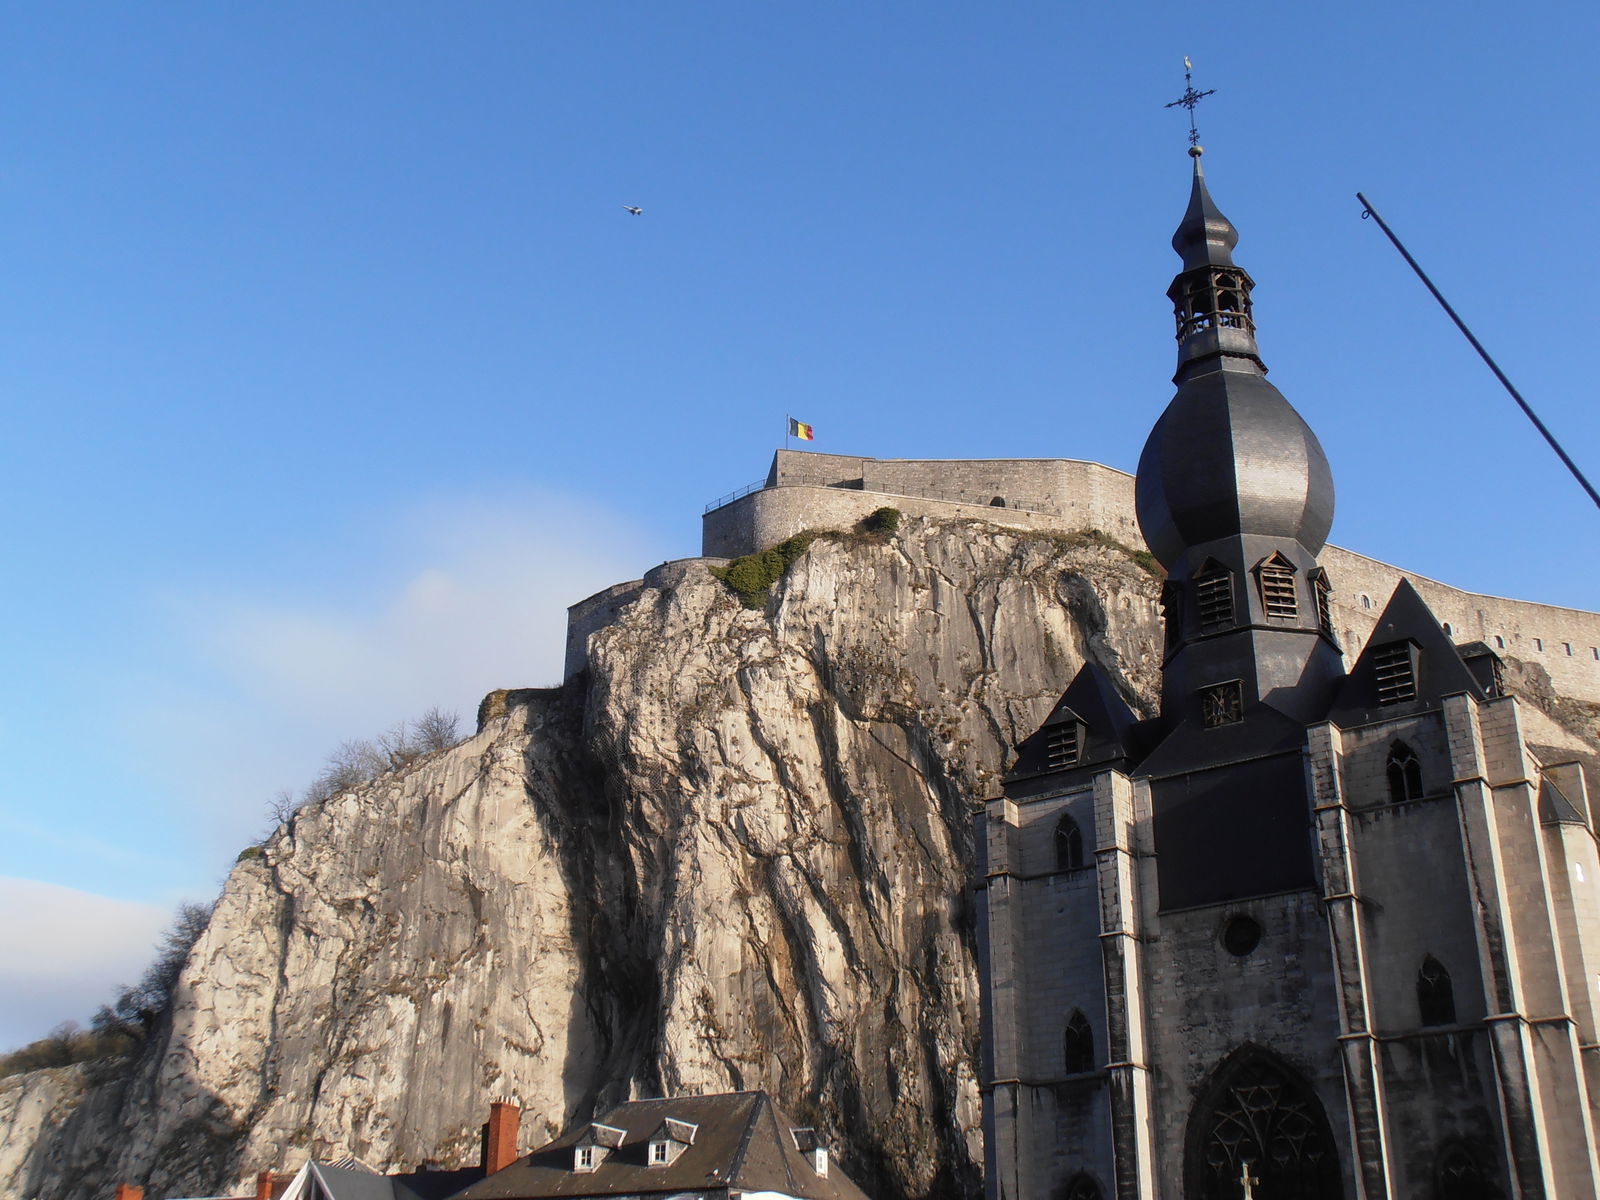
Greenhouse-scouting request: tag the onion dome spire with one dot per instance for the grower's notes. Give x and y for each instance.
(1205, 237)
(1211, 296)
(1234, 494)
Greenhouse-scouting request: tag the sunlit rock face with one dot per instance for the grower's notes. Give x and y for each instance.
(733, 854)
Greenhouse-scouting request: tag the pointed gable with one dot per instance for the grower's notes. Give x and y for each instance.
(1408, 665)
(1090, 726)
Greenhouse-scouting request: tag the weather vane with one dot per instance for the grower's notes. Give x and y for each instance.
(1190, 98)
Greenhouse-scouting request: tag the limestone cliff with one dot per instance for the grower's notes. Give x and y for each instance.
(731, 854)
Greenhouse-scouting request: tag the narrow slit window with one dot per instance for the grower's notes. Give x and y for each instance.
(1395, 667)
(1213, 597)
(1436, 999)
(1078, 1045)
(1069, 845)
(1063, 746)
(1278, 596)
(1405, 773)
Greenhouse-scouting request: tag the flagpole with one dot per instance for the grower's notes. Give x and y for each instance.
(788, 424)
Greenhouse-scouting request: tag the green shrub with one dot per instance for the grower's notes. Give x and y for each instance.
(751, 576)
(882, 520)
(1148, 561)
(249, 852)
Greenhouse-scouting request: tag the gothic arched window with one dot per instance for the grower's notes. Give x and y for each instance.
(1258, 1118)
(1405, 773)
(1436, 999)
(1080, 1187)
(1069, 845)
(1077, 1045)
(1459, 1176)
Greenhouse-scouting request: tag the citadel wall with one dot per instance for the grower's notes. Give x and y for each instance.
(806, 490)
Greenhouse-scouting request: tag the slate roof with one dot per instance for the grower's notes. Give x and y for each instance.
(1440, 670)
(350, 1180)
(1108, 723)
(743, 1141)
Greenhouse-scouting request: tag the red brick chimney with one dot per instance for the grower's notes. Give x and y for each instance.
(128, 1191)
(264, 1186)
(500, 1141)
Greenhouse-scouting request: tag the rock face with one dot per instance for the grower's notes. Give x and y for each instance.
(732, 854)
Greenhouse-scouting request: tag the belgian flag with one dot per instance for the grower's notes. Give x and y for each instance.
(802, 431)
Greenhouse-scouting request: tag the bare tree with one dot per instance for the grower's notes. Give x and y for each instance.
(437, 729)
(281, 807)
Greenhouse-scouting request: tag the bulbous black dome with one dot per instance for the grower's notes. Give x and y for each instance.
(1231, 456)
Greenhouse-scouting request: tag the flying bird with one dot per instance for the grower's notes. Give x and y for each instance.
(638, 212)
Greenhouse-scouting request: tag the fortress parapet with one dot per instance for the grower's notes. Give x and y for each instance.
(804, 490)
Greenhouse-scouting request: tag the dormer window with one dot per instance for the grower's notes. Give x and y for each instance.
(1324, 593)
(584, 1160)
(671, 1140)
(1172, 612)
(1278, 598)
(1395, 668)
(1213, 596)
(1063, 745)
(810, 1145)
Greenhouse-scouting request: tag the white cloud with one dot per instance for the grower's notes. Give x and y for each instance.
(450, 600)
(64, 951)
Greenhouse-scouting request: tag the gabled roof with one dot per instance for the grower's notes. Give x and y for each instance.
(743, 1142)
(1092, 700)
(1440, 671)
(353, 1180)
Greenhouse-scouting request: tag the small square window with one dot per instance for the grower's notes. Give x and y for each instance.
(658, 1152)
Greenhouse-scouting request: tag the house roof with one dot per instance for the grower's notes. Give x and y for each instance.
(351, 1180)
(743, 1141)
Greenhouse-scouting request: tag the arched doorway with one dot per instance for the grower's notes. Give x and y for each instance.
(1256, 1112)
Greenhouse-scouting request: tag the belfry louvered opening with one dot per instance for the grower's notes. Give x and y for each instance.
(1278, 596)
(1395, 668)
(1324, 593)
(1213, 596)
(1063, 745)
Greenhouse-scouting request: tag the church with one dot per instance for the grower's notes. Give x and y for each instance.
(1314, 931)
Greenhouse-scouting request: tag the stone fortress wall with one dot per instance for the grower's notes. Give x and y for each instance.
(808, 490)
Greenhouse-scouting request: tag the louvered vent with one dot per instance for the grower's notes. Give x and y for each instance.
(1213, 599)
(1277, 591)
(1324, 605)
(1062, 746)
(1396, 672)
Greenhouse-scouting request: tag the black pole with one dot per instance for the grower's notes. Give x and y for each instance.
(1368, 211)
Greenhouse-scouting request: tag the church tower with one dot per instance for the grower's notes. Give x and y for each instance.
(1309, 933)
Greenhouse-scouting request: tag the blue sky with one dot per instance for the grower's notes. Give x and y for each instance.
(334, 369)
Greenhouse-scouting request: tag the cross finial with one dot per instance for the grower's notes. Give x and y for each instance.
(1247, 1181)
(1190, 98)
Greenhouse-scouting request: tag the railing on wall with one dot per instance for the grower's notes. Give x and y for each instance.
(1016, 505)
(740, 494)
